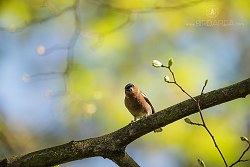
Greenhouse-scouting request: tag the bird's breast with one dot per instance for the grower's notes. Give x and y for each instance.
(136, 108)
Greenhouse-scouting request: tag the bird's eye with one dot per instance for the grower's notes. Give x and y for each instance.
(129, 86)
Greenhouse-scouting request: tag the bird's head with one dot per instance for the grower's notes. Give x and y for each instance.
(129, 88)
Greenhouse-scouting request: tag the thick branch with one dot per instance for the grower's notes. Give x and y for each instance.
(113, 145)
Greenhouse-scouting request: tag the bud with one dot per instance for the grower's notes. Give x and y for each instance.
(243, 138)
(187, 120)
(170, 62)
(202, 164)
(167, 79)
(156, 63)
(206, 82)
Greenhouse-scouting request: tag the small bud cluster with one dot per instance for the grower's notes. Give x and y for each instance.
(243, 138)
(158, 64)
(187, 120)
(167, 79)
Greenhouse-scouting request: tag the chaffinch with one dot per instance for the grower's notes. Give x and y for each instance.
(137, 103)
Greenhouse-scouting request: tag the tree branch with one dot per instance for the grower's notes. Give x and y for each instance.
(124, 160)
(113, 145)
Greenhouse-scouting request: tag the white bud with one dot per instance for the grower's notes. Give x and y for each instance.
(243, 138)
(156, 63)
(166, 79)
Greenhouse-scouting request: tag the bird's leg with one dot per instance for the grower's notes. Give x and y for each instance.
(145, 116)
(133, 120)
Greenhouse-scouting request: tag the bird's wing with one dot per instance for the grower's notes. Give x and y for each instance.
(153, 110)
(145, 97)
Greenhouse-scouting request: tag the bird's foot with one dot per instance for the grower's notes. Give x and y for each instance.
(133, 121)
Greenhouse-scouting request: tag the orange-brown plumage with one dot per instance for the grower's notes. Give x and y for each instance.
(137, 103)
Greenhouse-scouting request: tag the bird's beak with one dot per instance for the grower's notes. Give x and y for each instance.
(129, 90)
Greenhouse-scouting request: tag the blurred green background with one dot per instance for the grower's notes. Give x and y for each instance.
(64, 65)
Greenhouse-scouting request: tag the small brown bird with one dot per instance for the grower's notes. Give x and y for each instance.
(137, 103)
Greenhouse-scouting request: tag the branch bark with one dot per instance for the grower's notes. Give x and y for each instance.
(113, 145)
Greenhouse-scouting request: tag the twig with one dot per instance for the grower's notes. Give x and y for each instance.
(203, 124)
(175, 82)
(158, 64)
(243, 153)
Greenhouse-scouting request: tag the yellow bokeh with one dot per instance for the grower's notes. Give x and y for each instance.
(14, 13)
(242, 7)
(133, 5)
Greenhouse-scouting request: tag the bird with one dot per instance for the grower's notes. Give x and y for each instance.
(137, 103)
